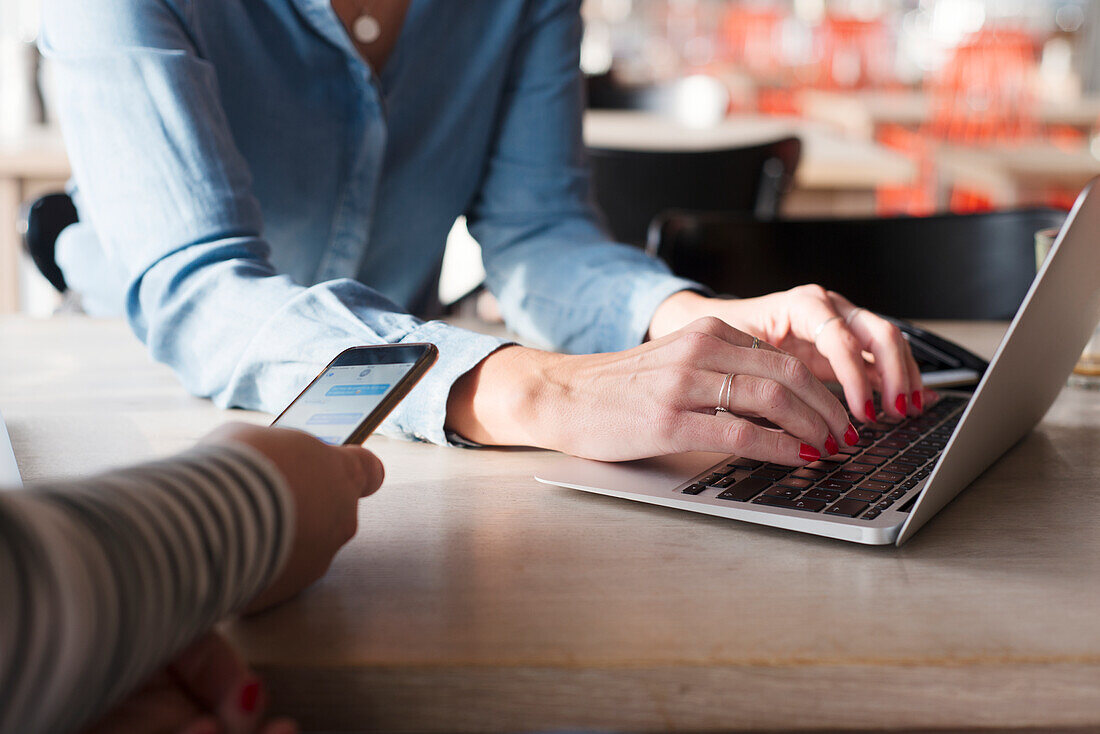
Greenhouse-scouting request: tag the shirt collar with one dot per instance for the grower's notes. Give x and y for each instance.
(322, 18)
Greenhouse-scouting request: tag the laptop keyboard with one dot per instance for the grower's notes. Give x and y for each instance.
(860, 481)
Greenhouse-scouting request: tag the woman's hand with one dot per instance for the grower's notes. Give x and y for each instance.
(658, 398)
(327, 483)
(836, 339)
(207, 689)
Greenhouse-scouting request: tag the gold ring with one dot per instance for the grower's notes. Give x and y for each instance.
(755, 343)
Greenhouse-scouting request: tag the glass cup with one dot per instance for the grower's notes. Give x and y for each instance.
(1086, 373)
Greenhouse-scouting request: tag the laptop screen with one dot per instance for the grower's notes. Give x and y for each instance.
(9, 471)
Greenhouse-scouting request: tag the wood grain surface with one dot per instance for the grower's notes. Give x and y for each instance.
(474, 598)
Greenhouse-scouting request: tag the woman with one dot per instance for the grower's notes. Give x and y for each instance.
(262, 184)
(105, 580)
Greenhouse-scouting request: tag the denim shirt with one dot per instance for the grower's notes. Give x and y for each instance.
(256, 199)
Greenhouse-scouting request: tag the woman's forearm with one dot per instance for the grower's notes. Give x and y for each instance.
(502, 401)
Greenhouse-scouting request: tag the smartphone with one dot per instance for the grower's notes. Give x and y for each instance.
(356, 391)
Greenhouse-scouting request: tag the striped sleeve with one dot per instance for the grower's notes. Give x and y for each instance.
(103, 580)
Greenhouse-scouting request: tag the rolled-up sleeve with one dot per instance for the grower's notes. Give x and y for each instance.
(559, 278)
(169, 196)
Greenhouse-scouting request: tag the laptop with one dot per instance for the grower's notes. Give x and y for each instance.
(9, 470)
(901, 474)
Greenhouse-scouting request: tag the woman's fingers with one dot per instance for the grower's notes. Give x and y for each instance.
(790, 373)
(749, 395)
(212, 672)
(916, 383)
(893, 361)
(825, 327)
(729, 434)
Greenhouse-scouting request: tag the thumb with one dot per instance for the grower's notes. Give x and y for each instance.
(365, 467)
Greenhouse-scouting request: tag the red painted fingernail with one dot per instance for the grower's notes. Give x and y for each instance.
(851, 436)
(830, 446)
(249, 696)
(806, 452)
(901, 404)
(918, 401)
(869, 411)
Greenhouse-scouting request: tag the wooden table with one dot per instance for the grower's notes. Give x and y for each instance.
(29, 165)
(838, 175)
(474, 598)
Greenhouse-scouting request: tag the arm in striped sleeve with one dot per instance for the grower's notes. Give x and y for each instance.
(103, 580)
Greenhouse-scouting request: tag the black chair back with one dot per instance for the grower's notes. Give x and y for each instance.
(973, 266)
(44, 220)
(631, 187)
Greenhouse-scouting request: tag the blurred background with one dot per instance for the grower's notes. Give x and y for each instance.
(898, 107)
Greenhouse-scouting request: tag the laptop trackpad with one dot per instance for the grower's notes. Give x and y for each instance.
(657, 476)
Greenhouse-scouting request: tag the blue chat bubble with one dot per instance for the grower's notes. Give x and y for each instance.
(343, 391)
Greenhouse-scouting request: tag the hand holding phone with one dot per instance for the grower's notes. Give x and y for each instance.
(351, 397)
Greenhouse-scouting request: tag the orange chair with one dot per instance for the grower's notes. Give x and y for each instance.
(984, 93)
(856, 54)
(919, 198)
(983, 96)
(751, 39)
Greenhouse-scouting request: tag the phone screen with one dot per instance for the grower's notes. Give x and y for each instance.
(341, 398)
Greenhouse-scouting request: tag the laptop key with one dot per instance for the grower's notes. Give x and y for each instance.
(745, 490)
(783, 492)
(795, 483)
(823, 494)
(771, 474)
(864, 495)
(835, 484)
(847, 476)
(744, 464)
(805, 473)
(847, 508)
(889, 476)
(694, 489)
(779, 467)
(876, 486)
(725, 482)
(825, 465)
(881, 451)
(809, 505)
(859, 467)
(872, 460)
